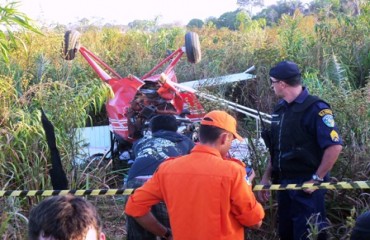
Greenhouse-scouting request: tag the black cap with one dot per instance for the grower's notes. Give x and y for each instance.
(285, 70)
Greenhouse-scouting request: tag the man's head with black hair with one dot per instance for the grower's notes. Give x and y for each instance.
(64, 218)
(163, 122)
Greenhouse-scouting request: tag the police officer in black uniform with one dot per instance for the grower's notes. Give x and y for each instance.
(150, 152)
(304, 145)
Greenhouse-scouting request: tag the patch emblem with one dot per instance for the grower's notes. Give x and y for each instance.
(334, 136)
(328, 120)
(325, 112)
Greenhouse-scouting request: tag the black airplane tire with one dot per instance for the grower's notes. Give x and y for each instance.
(71, 44)
(192, 46)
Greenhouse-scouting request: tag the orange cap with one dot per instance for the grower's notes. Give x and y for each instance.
(223, 120)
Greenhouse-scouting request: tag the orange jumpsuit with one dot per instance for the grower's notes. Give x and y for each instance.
(207, 197)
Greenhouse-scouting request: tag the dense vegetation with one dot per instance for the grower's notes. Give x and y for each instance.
(332, 50)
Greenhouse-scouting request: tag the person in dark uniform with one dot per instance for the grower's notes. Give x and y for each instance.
(361, 230)
(304, 145)
(150, 152)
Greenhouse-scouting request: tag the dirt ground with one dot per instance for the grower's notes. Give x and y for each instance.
(110, 209)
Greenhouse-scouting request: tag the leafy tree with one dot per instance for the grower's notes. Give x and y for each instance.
(11, 21)
(274, 12)
(246, 24)
(270, 14)
(330, 8)
(211, 21)
(195, 22)
(144, 25)
(227, 20)
(249, 4)
(230, 20)
(351, 7)
(325, 8)
(242, 19)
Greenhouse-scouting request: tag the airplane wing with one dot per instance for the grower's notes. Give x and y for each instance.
(218, 80)
(193, 86)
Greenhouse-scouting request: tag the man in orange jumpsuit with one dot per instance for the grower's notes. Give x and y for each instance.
(206, 193)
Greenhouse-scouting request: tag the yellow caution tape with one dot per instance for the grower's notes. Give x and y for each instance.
(80, 192)
(324, 185)
(128, 191)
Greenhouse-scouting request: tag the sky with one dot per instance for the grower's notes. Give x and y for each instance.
(125, 11)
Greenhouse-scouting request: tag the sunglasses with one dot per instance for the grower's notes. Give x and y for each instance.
(273, 81)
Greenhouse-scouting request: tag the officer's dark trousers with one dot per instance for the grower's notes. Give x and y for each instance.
(136, 232)
(298, 212)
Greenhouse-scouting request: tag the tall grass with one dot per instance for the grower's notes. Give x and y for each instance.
(333, 54)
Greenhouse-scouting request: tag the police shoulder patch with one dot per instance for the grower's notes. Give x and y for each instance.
(328, 120)
(334, 136)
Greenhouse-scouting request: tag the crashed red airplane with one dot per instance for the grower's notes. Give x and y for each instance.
(137, 99)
